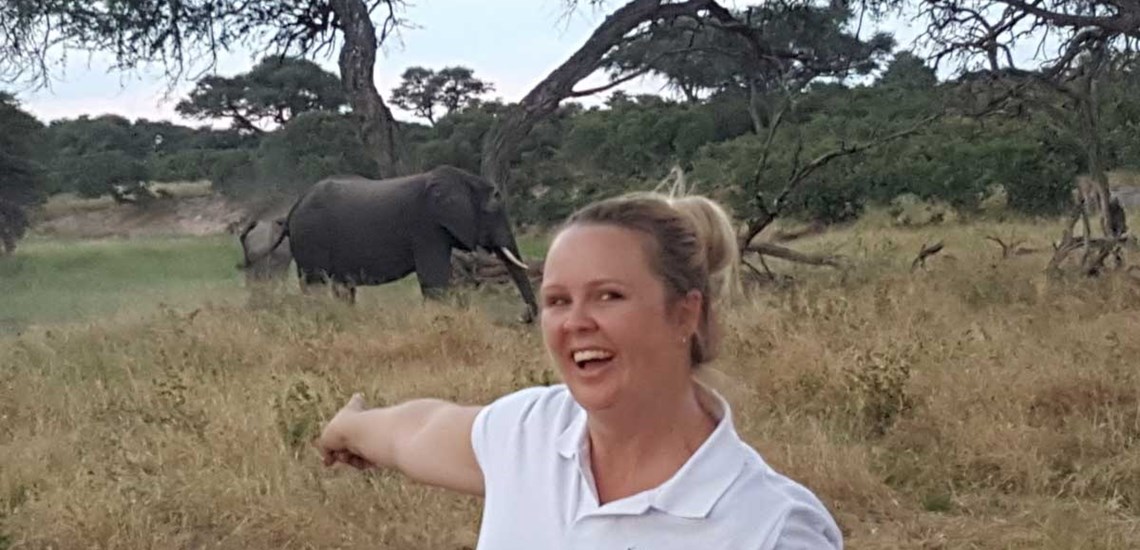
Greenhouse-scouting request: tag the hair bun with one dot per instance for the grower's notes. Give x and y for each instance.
(718, 238)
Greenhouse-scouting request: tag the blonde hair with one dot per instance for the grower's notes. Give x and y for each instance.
(692, 246)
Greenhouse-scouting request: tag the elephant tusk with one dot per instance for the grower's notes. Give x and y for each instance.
(513, 259)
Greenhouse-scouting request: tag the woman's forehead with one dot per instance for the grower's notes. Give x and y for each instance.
(601, 239)
(580, 254)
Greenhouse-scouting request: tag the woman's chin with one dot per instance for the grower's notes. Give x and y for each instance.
(591, 396)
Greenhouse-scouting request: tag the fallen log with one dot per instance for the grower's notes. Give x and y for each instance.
(480, 268)
(784, 253)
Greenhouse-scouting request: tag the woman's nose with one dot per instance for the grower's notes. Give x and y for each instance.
(579, 318)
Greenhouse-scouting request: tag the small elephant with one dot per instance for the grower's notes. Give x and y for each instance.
(265, 251)
(354, 231)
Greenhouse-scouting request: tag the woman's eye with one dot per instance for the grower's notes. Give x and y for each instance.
(556, 301)
(610, 295)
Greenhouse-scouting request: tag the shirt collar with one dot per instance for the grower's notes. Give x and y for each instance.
(702, 480)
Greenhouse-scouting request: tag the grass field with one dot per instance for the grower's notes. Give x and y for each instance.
(970, 404)
(52, 281)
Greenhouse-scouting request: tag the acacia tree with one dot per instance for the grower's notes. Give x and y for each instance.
(694, 57)
(451, 88)
(182, 35)
(628, 23)
(1092, 41)
(274, 91)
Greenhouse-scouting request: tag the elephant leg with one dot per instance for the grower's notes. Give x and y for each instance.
(308, 280)
(433, 266)
(345, 292)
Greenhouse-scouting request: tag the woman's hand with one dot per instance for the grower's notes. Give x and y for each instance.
(333, 441)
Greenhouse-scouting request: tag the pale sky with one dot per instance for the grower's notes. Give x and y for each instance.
(514, 45)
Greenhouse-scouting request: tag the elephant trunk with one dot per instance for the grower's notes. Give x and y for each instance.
(519, 276)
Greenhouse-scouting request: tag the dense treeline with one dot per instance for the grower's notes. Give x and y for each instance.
(582, 153)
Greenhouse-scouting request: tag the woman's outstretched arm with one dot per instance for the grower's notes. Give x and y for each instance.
(428, 440)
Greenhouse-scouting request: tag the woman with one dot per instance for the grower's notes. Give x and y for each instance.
(631, 451)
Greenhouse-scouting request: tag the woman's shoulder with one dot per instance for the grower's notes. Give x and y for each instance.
(536, 401)
(546, 408)
(798, 513)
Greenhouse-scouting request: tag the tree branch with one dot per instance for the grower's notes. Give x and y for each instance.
(614, 84)
(756, 225)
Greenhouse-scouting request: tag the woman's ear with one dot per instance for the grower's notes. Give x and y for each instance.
(689, 312)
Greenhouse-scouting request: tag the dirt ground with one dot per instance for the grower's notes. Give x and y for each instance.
(196, 216)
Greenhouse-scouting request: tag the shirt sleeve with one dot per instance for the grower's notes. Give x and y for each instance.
(497, 430)
(809, 528)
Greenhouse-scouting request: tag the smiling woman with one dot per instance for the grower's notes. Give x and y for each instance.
(631, 451)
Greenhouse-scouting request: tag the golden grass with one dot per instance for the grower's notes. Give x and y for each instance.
(971, 404)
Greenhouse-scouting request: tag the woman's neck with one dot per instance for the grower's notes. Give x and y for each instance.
(643, 445)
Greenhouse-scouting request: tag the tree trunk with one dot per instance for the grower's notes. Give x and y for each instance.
(357, 62)
(1092, 142)
(503, 140)
(759, 121)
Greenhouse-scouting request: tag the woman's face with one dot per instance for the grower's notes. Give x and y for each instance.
(606, 321)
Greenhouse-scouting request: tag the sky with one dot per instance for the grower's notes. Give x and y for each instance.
(513, 45)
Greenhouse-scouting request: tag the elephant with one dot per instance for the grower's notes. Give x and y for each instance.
(260, 262)
(353, 231)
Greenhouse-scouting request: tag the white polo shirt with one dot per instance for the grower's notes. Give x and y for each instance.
(533, 448)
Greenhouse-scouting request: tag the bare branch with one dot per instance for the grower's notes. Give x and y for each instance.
(927, 251)
(800, 174)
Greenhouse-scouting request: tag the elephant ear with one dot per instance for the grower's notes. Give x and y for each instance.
(452, 205)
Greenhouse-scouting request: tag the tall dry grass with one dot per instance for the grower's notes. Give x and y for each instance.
(973, 404)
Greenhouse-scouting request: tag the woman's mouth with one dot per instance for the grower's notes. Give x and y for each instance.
(585, 358)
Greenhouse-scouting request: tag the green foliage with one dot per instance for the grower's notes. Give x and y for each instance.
(909, 71)
(956, 161)
(89, 155)
(312, 146)
(275, 91)
(696, 58)
(94, 174)
(455, 139)
(422, 91)
(21, 172)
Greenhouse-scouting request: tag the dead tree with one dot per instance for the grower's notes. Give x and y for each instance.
(1093, 40)
(767, 212)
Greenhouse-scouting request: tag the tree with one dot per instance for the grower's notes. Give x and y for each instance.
(694, 57)
(452, 88)
(510, 129)
(179, 33)
(312, 146)
(21, 173)
(1094, 40)
(274, 91)
(629, 23)
(909, 71)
